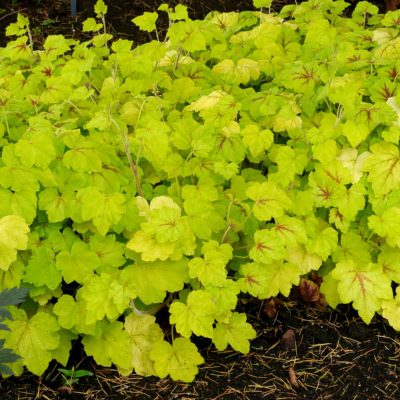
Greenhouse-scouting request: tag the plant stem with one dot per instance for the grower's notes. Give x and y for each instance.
(229, 226)
(31, 42)
(6, 121)
(103, 19)
(132, 165)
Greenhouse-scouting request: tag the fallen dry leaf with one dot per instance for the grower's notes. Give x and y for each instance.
(271, 307)
(309, 291)
(289, 340)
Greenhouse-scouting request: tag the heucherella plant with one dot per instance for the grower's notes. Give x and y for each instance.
(240, 154)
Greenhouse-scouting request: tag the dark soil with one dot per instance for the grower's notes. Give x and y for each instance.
(51, 17)
(334, 355)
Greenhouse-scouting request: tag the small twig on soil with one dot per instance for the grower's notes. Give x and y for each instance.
(12, 13)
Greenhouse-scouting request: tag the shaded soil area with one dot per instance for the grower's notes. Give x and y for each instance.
(300, 353)
(51, 17)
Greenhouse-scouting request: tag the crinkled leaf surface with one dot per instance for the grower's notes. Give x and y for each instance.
(106, 296)
(196, 316)
(41, 269)
(143, 333)
(111, 346)
(152, 280)
(33, 338)
(13, 237)
(364, 285)
(236, 332)
(179, 360)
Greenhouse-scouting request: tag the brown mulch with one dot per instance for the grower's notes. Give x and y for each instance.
(51, 17)
(334, 356)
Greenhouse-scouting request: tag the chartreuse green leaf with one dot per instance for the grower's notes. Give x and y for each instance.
(211, 268)
(389, 259)
(165, 234)
(106, 296)
(286, 119)
(207, 102)
(268, 247)
(323, 238)
(196, 316)
(152, 280)
(182, 90)
(100, 8)
(270, 201)
(241, 72)
(188, 35)
(289, 161)
(180, 12)
(267, 280)
(110, 346)
(327, 191)
(12, 277)
(324, 243)
(164, 220)
(224, 298)
(180, 360)
(78, 264)
(325, 152)
(17, 177)
(205, 189)
(329, 288)
(144, 333)
(90, 25)
(71, 314)
(21, 203)
(13, 237)
(366, 285)
(41, 269)
(146, 22)
(236, 332)
(256, 140)
(299, 256)
(83, 157)
(391, 310)
(387, 225)
(352, 245)
(61, 353)
(355, 133)
(262, 3)
(154, 142)
(203, 218)
(33, 339)
(383, 167)
(56, 45)
(109, 252)
(18, 28)
(104, 210)
(290, 230)
(36, 149)
(145, 244)
(54, 203)
(352, 202)
(363, 8)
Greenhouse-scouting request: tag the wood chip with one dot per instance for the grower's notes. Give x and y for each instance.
(293, 378)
